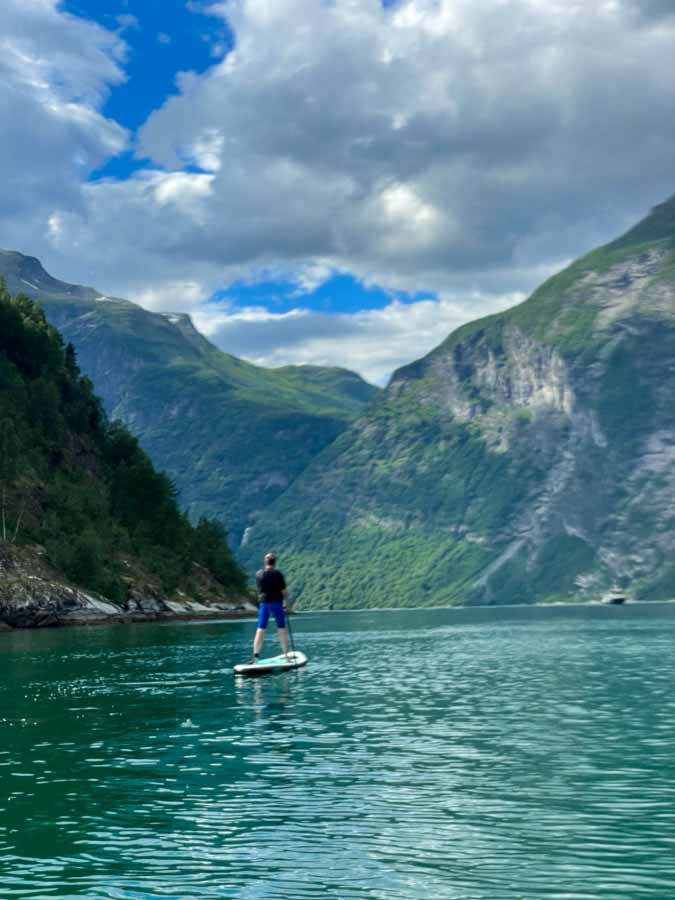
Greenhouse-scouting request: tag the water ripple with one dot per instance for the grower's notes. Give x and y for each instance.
(503, 754)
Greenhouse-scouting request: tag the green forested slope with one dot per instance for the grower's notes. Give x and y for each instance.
(530, 457)
(232, 435)
(82, 487)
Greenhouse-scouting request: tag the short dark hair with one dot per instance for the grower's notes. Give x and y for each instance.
(270, 557)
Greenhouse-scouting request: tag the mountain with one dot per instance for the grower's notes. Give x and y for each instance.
(87, 525)
(233, 436)
(530, 457)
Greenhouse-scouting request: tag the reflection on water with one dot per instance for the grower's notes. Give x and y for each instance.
(421, 754)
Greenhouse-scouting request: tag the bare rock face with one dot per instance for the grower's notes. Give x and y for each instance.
(33, 595)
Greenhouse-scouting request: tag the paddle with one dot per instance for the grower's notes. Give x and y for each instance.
(288, 625)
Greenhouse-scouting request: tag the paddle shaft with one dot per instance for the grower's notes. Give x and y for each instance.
(290, 630)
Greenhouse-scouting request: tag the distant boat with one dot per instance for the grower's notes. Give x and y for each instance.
(615, 597)
(616, 601)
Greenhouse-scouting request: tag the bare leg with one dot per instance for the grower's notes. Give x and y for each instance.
(257, 643)
(283, 639)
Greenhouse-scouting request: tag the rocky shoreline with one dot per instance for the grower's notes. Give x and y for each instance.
(34, 595)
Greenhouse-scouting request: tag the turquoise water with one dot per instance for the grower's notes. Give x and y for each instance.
(421, 754)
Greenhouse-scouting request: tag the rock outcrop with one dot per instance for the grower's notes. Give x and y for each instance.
(34, 595)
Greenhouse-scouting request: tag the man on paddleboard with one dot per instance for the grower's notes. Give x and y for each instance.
(272, 592)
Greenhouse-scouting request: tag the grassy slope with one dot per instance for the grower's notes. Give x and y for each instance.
(409, 506)
(231, 434)
(391, 513)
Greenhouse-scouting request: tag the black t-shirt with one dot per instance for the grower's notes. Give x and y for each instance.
(270, 583)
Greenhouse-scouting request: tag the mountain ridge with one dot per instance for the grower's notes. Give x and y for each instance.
(232, 435)
(89, 530)
(526, 458)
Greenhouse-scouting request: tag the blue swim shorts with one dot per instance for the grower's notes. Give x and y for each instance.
(276, 609)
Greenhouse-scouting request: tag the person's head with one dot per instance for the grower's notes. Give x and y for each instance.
(270, 560)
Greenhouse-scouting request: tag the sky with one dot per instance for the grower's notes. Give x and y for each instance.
(336, 182)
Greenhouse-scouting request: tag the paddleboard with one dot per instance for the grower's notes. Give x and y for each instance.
(273, 664)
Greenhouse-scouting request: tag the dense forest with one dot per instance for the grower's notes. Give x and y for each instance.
(80, 485)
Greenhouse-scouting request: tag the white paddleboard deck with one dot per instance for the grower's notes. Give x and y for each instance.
(295, 660)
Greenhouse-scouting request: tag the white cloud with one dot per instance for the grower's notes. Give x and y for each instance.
(465, 147)
(55, 73)
(206, 150)
(372, 342)
(174, 296)
(311, 276)
(434, 145)
(126, 21)
(54, 227)
(183, 190)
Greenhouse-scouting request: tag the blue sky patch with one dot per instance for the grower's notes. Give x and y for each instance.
(340, 294)
(164, 37)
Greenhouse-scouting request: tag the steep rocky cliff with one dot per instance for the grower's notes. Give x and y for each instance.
(530, 457)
